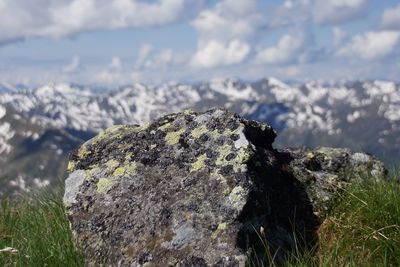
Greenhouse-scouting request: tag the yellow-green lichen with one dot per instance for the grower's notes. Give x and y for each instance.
(237, 197)
(83, 152)
(100, 136)
(223, 180)
(227, 191)
(243, 155)
(103, 185)
(165, 126)
(89, 174)
(239, 162)
(109, 133)
(199, 131)
(324, 151)
(112, 164)
(221, 227)
(144, 126)
(139, 128)
(199, 163)
(153, 146)
(172, 138)
(128, 157)
(189, 112)
(71, 166)
(131, 168)
(227, 132)
(113, 129)
(215, 134)
(120, 171)
(223, 151)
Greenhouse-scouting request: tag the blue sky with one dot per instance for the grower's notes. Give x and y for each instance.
(117, 42)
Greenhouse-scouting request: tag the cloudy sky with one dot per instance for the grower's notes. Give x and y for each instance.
(123, 41)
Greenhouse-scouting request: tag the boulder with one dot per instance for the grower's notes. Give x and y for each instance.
(200, 189)
(326, 171)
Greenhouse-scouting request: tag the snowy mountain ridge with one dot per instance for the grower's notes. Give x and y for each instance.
(48, 121)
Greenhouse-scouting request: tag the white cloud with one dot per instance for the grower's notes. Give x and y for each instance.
(107, 77)
(216, 53)
(149, 58)
(21, 19)
(339, 36)
(143, 53)
(73, 66)
(338, 11)
(391, 18)
(288, 4)
(291, 71)
(289, 13)
(229, 19)
(115, 63)
(162, 59)
(225, 32)
(137, 76)
(371, 45)
(287, 50)
(112, 74)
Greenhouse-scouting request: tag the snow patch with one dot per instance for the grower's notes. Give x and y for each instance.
(2, 112)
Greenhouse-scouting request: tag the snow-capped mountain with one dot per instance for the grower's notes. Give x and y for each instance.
(38, 127)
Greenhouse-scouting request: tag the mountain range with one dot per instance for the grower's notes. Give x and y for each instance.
(40, 126)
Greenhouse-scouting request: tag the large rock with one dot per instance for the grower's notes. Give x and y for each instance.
(201, 189)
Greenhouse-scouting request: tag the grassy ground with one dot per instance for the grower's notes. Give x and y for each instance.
(362, 230)
(37, 228)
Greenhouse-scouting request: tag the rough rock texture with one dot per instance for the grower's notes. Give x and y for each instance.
(324, 171)
(199, 189)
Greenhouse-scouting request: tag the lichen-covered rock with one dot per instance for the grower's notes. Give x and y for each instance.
(324, 171)
(197, 189)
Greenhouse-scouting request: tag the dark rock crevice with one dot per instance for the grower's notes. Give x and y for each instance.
(278, 214)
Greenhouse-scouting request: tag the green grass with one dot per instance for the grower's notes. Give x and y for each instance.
(362, 230)
(38, 229)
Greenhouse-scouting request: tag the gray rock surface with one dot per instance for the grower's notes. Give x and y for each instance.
(200, 189)
(325, 171)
